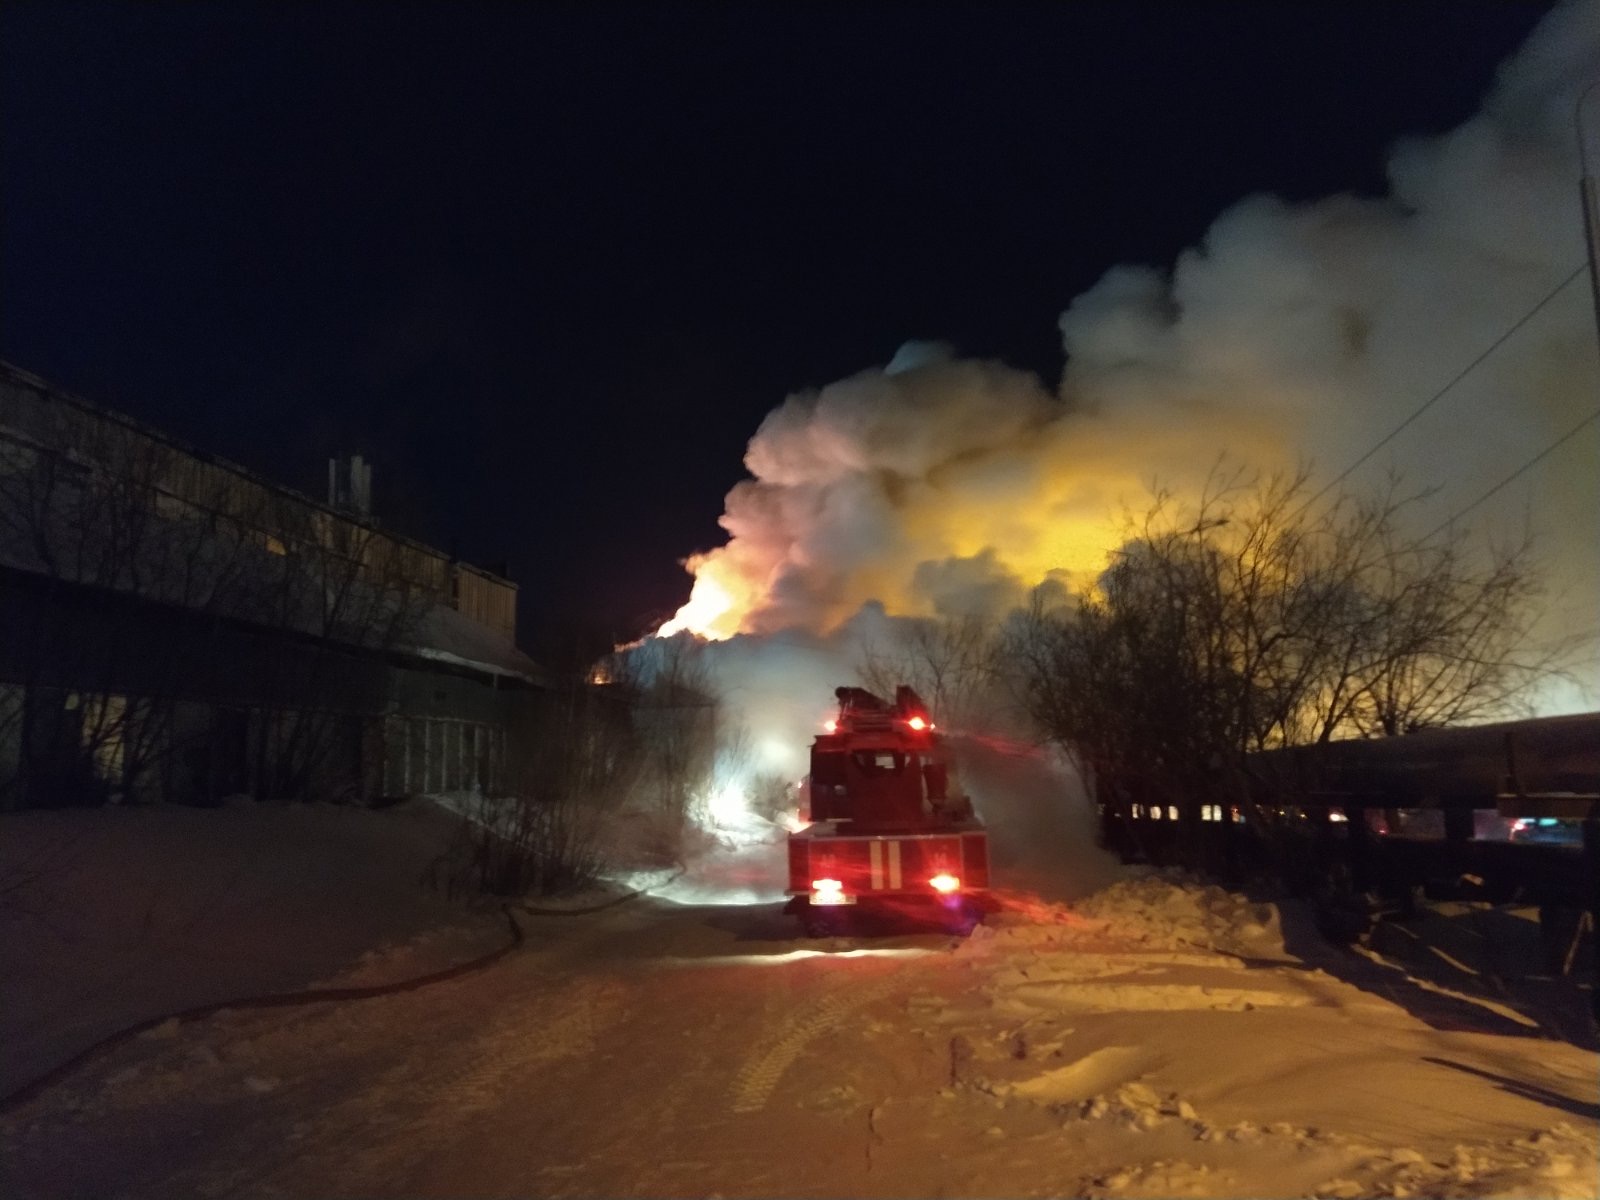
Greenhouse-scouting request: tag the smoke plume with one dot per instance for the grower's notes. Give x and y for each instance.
(1293, 334)
(937, 485)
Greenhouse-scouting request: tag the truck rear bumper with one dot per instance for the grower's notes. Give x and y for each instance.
(978, 900)
(863, 867)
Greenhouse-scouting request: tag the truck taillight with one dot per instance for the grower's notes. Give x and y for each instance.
(945, 882)
(827, 891)
(917, 723)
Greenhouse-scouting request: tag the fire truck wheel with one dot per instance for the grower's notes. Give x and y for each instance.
(963, 920)
(823, 922)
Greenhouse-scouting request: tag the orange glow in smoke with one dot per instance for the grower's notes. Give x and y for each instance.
(1063, 530)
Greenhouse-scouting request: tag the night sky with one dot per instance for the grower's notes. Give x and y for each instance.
(550, 265)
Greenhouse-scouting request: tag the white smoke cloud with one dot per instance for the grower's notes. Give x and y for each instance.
(1316, 329)
(779, 688)
(938, 485)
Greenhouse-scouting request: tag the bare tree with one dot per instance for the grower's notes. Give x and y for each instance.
(575, 761)
(336, 584)
(952, 662)
(90, 513)
(117, 535)
(11, 749)
(1246, 621)
(678, 711)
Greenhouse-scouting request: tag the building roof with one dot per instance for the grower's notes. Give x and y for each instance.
(85, 528)
(447, 636)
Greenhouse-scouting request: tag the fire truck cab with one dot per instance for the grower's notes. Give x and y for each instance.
(890, 827)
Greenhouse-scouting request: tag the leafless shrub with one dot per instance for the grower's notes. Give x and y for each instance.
(771, 796)
(574, 764)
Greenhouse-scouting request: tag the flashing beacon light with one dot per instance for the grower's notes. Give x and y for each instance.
(830, 726)
(918, 723)
(943, 882)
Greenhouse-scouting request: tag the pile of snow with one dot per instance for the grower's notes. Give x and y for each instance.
(1171, 910)
(1553, 1164)
(1148, 909)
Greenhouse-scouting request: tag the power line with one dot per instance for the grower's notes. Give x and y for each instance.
(1523, 469)
(1459, 376)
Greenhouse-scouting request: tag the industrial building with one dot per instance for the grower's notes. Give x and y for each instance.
(175, 627)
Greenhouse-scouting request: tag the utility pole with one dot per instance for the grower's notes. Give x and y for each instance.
(1591, 230)
(1590, 193)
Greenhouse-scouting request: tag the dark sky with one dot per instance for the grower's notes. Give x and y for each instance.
(550, 265)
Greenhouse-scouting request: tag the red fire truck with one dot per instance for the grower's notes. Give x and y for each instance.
(889, 827)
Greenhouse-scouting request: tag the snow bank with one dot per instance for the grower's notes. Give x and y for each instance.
(1159, 1025)
(1552, 1164)
(1149, 909)
(1172, 910)
(112, 916)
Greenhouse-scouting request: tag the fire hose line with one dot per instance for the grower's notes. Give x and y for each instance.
(535, 911)
(56, 1074)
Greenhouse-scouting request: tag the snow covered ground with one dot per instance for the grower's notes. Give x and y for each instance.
(111, 916)
(1166, 1029)
(1136, 1035)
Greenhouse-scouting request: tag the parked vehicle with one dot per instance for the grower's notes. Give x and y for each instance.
(890, 829)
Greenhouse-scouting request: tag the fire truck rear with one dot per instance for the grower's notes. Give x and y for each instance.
(889, 828)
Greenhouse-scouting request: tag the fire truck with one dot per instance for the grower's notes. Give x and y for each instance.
(889, 827)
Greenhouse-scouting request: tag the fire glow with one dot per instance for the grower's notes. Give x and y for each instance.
(715, 609)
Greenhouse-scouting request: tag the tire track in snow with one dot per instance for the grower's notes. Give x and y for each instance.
(482, 1075)
(405, 1115)
(754, 1084)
